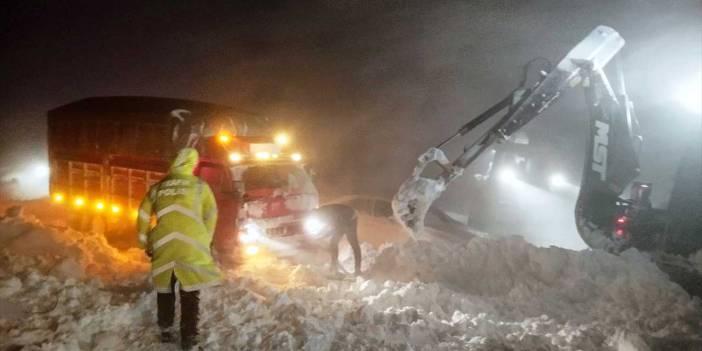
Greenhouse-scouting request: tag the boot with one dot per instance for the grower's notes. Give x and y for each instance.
(167, 337)
(189, 345)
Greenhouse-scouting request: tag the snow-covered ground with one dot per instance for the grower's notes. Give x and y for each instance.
(696, 260)
(65, 290)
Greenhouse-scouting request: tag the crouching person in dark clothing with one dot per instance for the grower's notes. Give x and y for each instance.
(336, 221)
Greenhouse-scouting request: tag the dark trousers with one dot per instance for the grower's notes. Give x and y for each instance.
(189, 312)
(350, 230)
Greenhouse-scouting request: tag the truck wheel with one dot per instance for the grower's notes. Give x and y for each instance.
(121, 234)
(98, 224)
(80, 221)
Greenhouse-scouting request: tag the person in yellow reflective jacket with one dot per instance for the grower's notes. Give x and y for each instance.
(180, 243)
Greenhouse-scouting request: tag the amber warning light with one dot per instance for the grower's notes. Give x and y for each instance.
(224, 137)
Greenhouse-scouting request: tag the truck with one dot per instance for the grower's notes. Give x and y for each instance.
(605, 217)
(105, 153)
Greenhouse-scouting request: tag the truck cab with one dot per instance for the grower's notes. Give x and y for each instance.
(256, 181)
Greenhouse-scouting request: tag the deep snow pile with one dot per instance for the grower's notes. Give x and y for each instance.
(63, 289)
(696, 260)
(481, 295)
(509, 295)
(67, 253)
(522, 280)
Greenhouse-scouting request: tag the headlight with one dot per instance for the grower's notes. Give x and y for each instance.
(507, 175)
(314, 226)
(557, 181)
(40, 171)
(297, 157)
(235, 157)
(689, 96)
(251, 250)
(282, 139)
(251, 233)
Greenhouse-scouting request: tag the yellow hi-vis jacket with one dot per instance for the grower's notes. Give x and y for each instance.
(186, 214)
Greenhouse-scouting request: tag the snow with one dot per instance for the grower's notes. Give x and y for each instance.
(515, 280)
(67, 253)
(696, 260)
(65, 290)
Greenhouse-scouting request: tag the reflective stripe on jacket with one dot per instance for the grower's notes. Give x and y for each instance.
(186, 214)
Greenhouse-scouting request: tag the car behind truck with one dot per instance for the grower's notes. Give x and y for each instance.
(105, 152)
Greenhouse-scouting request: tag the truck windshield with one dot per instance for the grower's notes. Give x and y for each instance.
(275, 177)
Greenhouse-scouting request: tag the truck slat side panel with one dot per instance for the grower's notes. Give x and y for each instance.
(114, 148)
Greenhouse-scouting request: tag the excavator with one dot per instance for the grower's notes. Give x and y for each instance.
(604, 218)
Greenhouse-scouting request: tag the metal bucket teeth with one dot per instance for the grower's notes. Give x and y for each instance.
(415, 196)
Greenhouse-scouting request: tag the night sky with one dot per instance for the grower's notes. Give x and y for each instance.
(367, 85)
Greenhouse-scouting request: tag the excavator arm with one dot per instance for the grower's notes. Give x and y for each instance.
(611, 163)
(581, 66)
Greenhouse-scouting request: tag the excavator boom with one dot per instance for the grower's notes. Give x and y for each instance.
(584, 61)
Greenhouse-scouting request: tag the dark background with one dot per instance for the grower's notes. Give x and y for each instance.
(366, 86)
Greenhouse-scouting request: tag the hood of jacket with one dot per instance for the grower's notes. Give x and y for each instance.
(185, 162)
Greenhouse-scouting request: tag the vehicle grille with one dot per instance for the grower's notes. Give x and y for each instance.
(285, 230)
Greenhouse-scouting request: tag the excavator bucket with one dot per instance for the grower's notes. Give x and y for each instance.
(417, 193)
